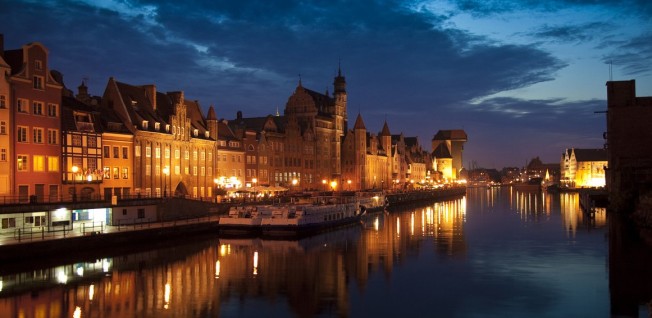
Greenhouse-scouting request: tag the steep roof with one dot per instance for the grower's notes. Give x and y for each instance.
(590, 154)
(442, 152)
(385, 131)
(455, 134)
(70, 105)
(359, 124)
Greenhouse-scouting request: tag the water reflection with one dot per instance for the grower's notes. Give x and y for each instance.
(444, 244)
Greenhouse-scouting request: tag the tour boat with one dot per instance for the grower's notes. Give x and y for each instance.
(245, 219)
(304, 218)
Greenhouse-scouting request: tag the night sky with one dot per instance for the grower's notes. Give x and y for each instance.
(522, 78)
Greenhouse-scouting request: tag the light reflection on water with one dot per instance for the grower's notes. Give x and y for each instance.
(495, 253)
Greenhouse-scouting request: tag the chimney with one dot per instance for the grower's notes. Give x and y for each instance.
(150, 91)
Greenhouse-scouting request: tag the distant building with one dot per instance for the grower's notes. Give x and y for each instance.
(582, 168)
(628, 139)
(454, 141)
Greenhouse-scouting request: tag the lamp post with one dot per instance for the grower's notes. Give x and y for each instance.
(166, 173)
(348, 182)
(74, 170)
(254, 181)
(323, 181)
(294, 184)
(333, 185)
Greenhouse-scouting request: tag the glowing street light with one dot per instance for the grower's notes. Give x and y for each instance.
(74, 170)
(166, 173)
(348, 182)
(333, 185)
(323, 181)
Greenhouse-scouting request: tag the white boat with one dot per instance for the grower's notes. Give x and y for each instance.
(305, 218)
(245, 219)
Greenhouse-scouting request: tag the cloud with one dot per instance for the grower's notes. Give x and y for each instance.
(571, 33)
(633, 56)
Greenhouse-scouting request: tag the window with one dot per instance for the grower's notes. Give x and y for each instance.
(157, 152)
(3, 154)
(194, 155)
(167, 153)
(145, 124)
(116, 173)
(195, 132)
(125, 153)
(203, 155)
(53, 110)
(38, 163)
(148, 170)
(141, 213)
(77, 140)
(157, 126)
(125, 173)
(107, 172)
(38, 64)
(202, 171)
(91, 164)
(210, 156)
(22, 134)
(21, 163)
(53, 163)
(21, 105)
(148, 151)
(177, 154)
(37, 108)
(157, 170)
(8, 223)
(38, 135)
(107, 152)
(3, 101)
(167, 128)
(116, 152)
(177, 170)
(3, 127)
(91, 141)
(38, 82)
(186, 155)
(53, 138)
(137, 151)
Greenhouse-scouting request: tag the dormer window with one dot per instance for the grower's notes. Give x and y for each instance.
(145, 125)
(207, 134)
(195, 132)
(157, 126)
(38, 64)
(167, 128)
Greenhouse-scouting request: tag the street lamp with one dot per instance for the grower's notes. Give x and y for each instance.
(333, 185)
(294, 184)
(323, 181)
(166, 173)
(74, 170)
(254, 181)
(348, 182)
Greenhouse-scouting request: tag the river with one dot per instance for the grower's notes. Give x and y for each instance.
(493, 253)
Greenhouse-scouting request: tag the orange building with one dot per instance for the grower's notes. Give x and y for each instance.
(36, 128)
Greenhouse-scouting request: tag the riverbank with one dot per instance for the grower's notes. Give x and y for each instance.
(79, 243)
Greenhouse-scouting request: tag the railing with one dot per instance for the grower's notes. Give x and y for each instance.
(55, 232)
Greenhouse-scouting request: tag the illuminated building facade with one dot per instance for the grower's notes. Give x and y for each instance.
(230, 160)
(454, 141)
(81, 153)
(365, 158)
(583, 167)
(173, 142)
(6, 124)
(35, 104)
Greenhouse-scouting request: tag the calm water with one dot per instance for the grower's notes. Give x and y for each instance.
(493, 253)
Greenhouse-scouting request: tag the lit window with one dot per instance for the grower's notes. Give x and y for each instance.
(145, 124)
(157, 126)
(21, 164)
(39, 163)
(53, 163)
(148, 151)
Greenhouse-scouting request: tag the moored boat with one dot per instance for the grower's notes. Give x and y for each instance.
(371, 201)
(245, 219)
(305, 218)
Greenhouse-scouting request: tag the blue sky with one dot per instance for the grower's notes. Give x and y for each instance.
(523, 78)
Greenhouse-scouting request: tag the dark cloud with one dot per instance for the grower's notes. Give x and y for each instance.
(571, 33)
(633, 57)
(401, 64)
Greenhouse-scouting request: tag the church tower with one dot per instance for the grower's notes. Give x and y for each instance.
(360, 150)
(340, 103)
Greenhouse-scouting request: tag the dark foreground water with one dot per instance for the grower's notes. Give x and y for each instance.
(493, 253)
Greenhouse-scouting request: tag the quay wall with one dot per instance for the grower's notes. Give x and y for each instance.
(415, 197)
